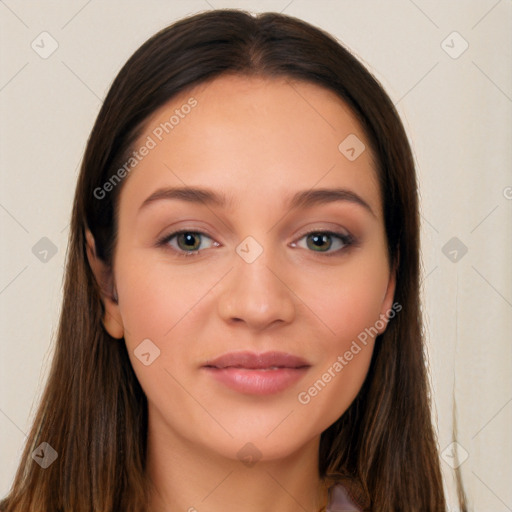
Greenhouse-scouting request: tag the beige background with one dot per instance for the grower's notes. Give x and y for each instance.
(457, 109)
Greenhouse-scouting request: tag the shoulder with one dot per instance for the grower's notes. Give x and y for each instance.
(340, 500)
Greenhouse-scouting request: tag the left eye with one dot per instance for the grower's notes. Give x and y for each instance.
(324, 241)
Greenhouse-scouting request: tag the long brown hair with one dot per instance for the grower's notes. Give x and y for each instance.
(94, 413)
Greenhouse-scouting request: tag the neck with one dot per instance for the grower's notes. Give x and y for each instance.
(188, 477)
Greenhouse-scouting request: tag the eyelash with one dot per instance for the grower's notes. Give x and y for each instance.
(346, 239)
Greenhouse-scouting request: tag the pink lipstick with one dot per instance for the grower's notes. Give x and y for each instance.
(257, 374)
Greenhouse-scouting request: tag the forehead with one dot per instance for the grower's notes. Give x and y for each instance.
(253, 136)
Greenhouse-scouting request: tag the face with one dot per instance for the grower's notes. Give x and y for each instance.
(251, 257)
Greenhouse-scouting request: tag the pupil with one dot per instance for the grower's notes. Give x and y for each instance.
(320, 241)
(189, 240)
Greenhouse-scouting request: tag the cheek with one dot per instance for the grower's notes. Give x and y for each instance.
(155, 298)
(327, 396)
(166, 306)
(157, 304)
(344, 360)
(349, 304)
(349, 301)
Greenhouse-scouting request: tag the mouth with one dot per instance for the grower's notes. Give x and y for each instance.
(257, 374)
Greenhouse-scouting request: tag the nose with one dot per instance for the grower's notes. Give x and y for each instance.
(256, 294)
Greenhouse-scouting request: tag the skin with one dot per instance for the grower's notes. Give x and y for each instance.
(258, 141)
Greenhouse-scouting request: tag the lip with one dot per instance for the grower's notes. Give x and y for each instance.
(257, 374)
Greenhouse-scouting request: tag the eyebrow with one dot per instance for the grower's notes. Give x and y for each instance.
(302, 199)
(189, 194)
(308, 198)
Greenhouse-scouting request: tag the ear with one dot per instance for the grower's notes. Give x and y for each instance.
(112, 320)
(387, 303)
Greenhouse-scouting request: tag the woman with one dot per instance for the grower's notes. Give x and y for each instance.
(240, 326)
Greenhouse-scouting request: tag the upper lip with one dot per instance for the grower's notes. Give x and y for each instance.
(254, 361)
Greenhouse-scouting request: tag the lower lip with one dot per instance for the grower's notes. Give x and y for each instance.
(257, 382)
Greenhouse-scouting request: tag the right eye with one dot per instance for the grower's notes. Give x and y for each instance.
(188, 243)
